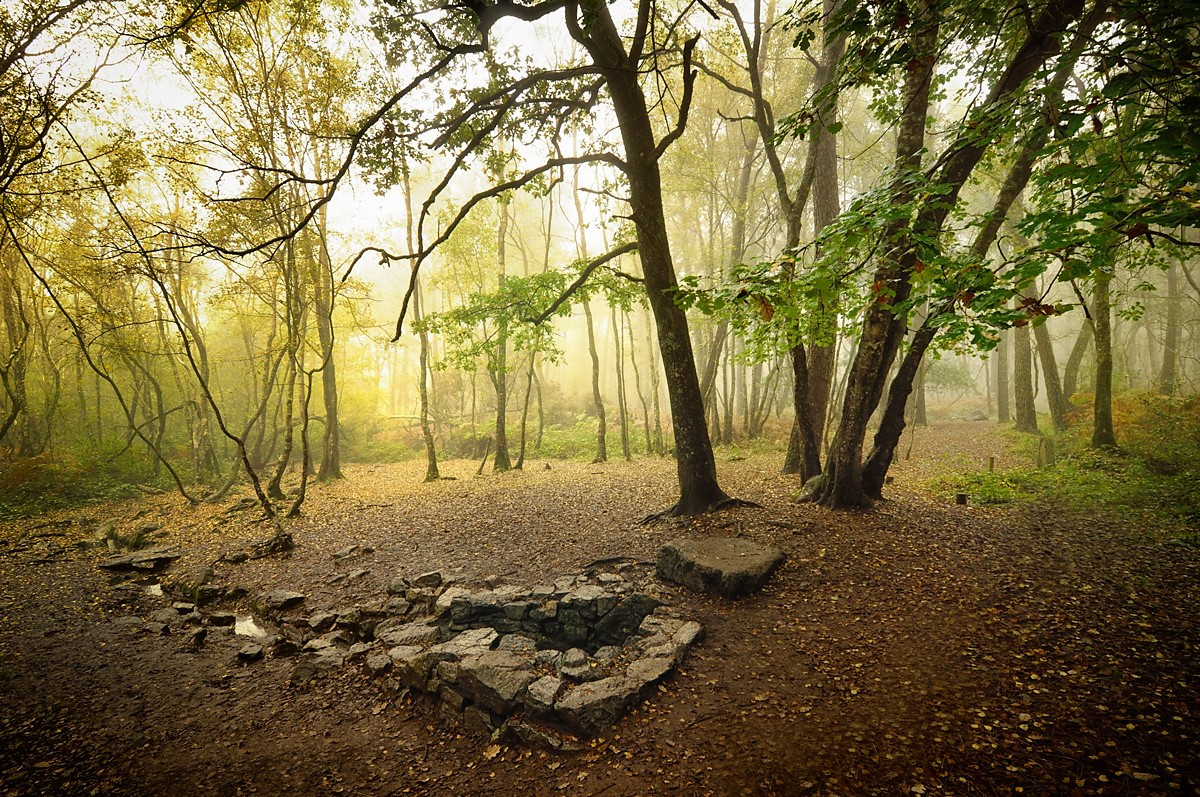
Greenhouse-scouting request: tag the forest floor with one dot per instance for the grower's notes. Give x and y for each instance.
(920, 648)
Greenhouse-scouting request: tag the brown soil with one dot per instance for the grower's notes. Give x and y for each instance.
(922, 648)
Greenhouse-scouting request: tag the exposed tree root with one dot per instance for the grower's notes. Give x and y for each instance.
(281, 542)
(676, 510)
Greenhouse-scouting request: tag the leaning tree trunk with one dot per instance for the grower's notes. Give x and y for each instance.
(847, 485)
(883, 326)
(891, 425)
(821, 178)
(1083, 341)
(525, 413)
(1102, 429)
(1054, 392)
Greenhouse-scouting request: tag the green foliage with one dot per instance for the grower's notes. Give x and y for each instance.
(474, 331)
(1123, 168)
(31, 486)
(950, 375)
(577, 441)
(1155, 477)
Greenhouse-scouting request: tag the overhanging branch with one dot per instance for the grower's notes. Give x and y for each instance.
(581, 279)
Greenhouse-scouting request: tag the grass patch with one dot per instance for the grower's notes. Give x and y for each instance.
(1155, 474)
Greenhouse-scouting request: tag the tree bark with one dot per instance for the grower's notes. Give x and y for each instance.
(1083, 341)
(698, 486)
(1102, 428)
(1054, 392)
(1167, 375)
(1026, 414)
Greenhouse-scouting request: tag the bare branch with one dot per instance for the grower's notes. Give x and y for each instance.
(685, 104)
(355, 142)
(518, 182)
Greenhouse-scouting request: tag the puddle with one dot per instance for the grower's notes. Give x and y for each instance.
(246, 626)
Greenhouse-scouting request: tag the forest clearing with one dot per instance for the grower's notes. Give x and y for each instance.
(923, 647)
(599, 397)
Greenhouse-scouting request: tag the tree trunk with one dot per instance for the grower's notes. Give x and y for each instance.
(1026, 414)
(1054, 392)
(1102, 429)
(637, 384)
(821, 178)
(891, 424)
(499, 367)
(323, 294)
(1167, 375)
(659, 447)
(882, 327)
(843, 482)
(432, 473)
(622, 404)
(698, 486)
(920, 416)
(525, 413)
(293, 311)
(597, 398)
(1083, 342)
(728, 379)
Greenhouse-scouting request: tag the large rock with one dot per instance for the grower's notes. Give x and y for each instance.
(594, 706)
(316, 664)
(150, 559)
(475, 642)
(411, 633)
(281, 600)
(731, 567)
(496, 680)
(625, 618)
(541, 694)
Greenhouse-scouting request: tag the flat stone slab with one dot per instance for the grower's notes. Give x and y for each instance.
(148, 559)
(726, 566)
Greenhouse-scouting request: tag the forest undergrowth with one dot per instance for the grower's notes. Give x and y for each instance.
(1153, 477)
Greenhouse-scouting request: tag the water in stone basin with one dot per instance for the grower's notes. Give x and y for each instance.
(245, 625)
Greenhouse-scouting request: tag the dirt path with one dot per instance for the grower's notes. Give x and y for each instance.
(923, 648)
